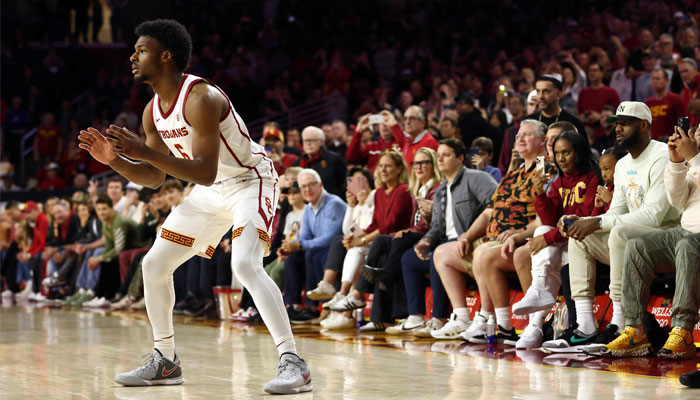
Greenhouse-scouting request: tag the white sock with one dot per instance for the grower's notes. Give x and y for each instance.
(618, 318)
(537, 318)
(462, 314)
(486, 314)
(166, 346)
(414, 320)
(584, 316)
(503, 318)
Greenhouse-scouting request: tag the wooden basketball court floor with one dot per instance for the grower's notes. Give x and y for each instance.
(50, 353)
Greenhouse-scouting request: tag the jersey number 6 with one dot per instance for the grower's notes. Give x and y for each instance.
(184, 155)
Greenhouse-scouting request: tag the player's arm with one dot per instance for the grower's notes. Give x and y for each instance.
(203, 110)
(102, 149)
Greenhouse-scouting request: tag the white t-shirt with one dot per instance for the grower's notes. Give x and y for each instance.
(450, 230)
(640, 195)
(292, 225)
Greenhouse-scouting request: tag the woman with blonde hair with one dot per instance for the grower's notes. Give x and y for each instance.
(392, 213)
(386, 248)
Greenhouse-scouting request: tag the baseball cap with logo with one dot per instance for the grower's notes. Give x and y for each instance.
(629, 110)
(274, 133)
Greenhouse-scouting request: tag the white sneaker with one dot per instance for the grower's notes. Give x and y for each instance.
(531, 338)
(430, 325)
(372, 327)
(323, 291)
(102, 302)
(476, 330)
(122, 304)
(404, 328)
(243, 314)
(139, 305)
(339, 321)
(92, 303)
(535, 299)
(337, 298)
(39, 298)
(451, 329)
(349, 303)
(7, 294)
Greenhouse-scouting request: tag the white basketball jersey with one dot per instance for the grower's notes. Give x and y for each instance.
(238, 154)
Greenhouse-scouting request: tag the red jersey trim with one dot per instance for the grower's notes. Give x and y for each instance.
(153, 117)
(187, 93)
(172, 106)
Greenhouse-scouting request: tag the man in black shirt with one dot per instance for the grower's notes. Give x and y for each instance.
(548, 93)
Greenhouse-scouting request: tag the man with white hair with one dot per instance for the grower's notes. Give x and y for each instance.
(485, 250)
(414, 135)
(306, 256)
(688, 70)
(330, 166)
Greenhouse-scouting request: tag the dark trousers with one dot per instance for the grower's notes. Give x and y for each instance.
(303, 268)
(566, 289)
(386, 252)
(414, 274)
(133, 267)
(35, 265)
(109, 279)
(8, 269)
(336, 254)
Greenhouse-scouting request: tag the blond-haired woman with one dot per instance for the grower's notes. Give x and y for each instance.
(424, 178)
(392, 213)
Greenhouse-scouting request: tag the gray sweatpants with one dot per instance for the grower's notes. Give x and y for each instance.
(606, 247)
(670, 250)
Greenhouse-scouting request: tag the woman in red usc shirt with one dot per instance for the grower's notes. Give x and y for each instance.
(573, 192)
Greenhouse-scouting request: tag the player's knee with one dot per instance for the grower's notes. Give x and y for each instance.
(151, 268)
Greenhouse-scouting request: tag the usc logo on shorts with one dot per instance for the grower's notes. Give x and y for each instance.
(268, 204)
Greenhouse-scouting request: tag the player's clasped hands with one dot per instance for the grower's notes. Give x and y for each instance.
(117, 140)
(127, 143)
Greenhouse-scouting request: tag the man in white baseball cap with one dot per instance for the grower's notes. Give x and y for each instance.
(639, 206)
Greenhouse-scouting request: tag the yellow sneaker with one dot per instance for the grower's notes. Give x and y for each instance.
(679, 345)
(630, 343)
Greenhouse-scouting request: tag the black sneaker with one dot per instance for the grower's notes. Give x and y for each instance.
(507, 336)
(691, 379)
(292, 312)
(570, 341)
(610, 333)
(372, 274)
(254, 318)
(503, 336)
(305, 316)
(204, 308)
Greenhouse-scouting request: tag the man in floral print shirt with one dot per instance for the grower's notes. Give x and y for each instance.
(486, 249)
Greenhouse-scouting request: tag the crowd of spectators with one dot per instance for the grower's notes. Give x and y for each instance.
(468, 149)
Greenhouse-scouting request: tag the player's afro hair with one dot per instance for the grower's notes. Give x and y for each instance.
(173, 36)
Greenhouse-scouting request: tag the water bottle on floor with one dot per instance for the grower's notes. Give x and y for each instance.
(491, 330)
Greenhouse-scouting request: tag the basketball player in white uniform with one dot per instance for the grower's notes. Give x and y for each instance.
(193, 133)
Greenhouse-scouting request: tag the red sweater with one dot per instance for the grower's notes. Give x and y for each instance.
(569, 194)
(41, 229)
(690, 94)
(664, 114)
(408, 148)
(369, 153)
(593, 99)
(392, 212)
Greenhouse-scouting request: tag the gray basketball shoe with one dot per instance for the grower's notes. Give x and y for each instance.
(155, 370)
(293, 376)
